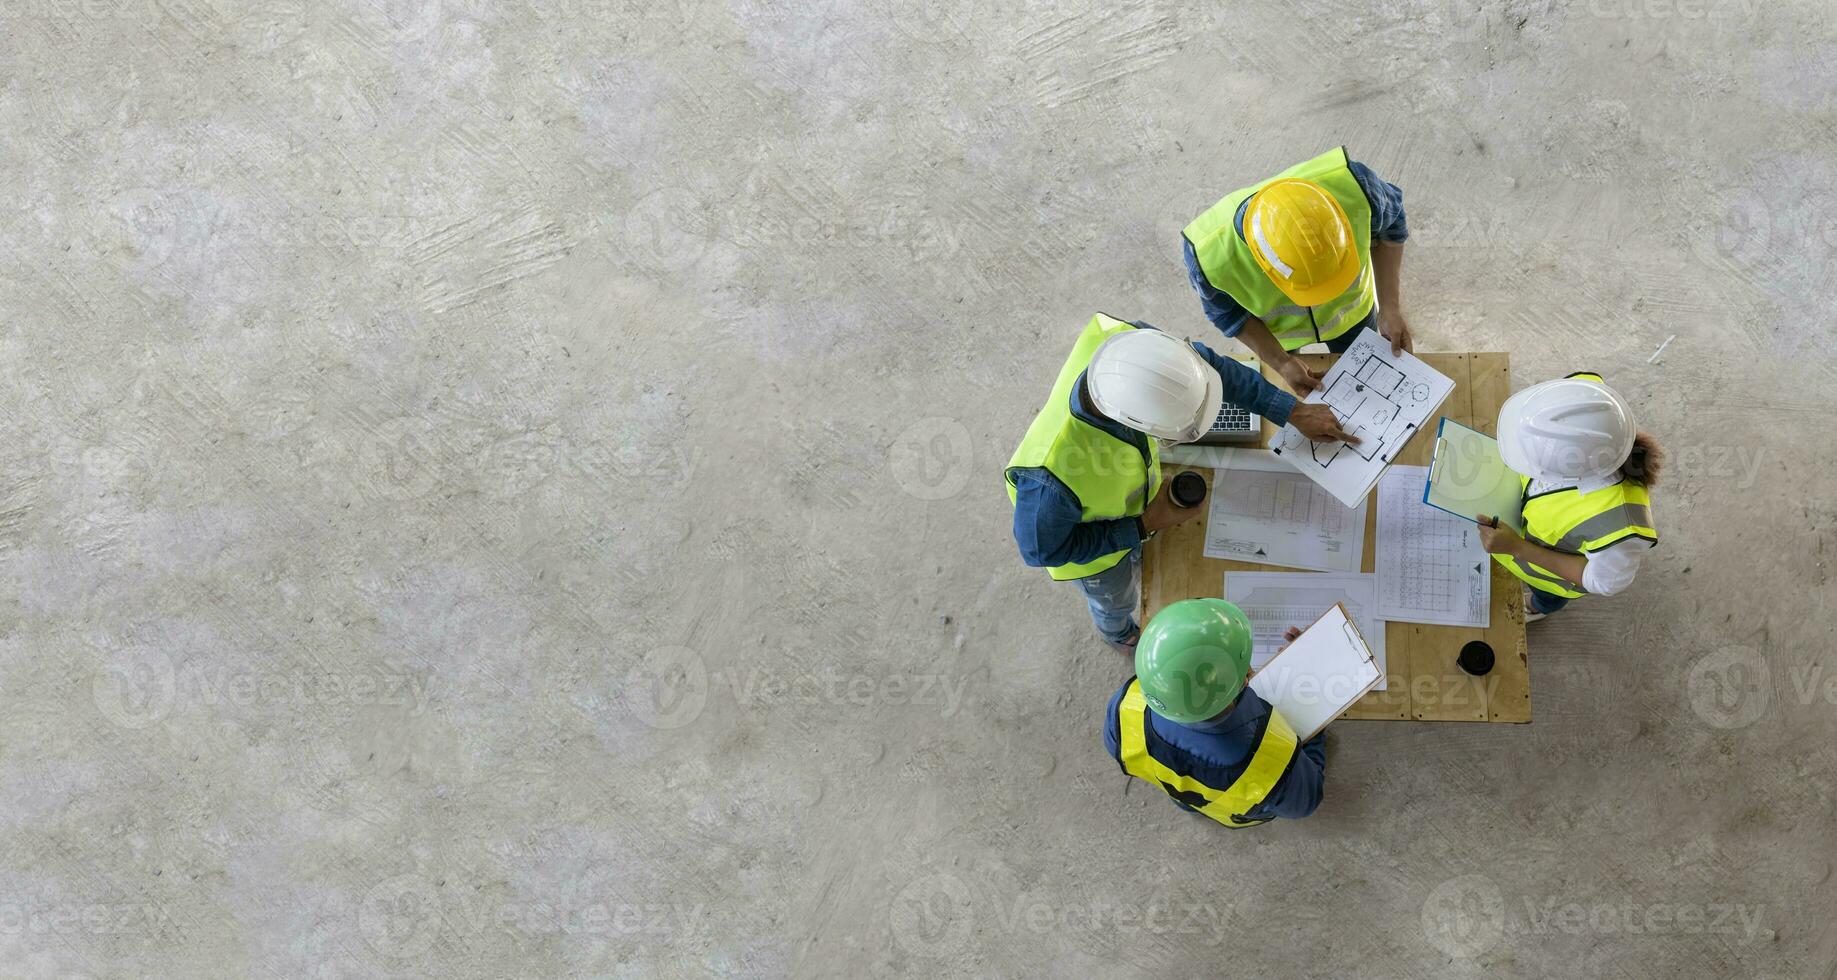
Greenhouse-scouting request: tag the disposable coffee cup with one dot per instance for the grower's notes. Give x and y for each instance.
(1476, 658)
(1189, 489)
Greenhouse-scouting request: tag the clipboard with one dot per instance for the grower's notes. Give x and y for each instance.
(1469, 479)
(1325, 671)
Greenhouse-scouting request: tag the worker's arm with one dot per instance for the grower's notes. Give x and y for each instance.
(1112, 732)
(1247, 389)
(1500, 539)
(1611, 569)
(1387, 265)
(1255, 335)
(1389, 230)
(1048, 523)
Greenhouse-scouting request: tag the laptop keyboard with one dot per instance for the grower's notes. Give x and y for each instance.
(1232, 419)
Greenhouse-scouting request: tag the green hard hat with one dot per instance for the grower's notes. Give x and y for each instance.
(1192, 659)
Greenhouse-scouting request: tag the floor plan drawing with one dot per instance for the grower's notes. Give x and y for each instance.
(1381, 399)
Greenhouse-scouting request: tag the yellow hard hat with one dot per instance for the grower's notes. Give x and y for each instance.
(1302, 240)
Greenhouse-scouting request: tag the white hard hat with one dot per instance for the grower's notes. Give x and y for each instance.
(1155, 383)
(1571, 430)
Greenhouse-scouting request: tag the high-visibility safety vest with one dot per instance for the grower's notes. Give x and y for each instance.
(1576, 523)
(1111, 478)
(1229, 265)
(1275, 750)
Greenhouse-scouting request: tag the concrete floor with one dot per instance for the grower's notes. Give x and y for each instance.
(499, 489)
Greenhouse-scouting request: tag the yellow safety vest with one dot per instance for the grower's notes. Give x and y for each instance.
(1227, 806)
(1576, 523)
(1111, 478)
(1230, 266)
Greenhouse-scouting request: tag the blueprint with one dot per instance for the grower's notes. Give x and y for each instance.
(1263, 511)
(1275, 601)
(1431, 568)
(1381, 399)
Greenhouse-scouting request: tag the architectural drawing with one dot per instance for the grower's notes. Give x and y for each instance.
(1382, 400)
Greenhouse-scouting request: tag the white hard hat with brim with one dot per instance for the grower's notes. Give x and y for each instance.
(1155, 383)
(1571, 430)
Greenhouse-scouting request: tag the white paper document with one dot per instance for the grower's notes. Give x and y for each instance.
(1325, 671)
(1431, 568)
(1380, 398)
(1263, 511)
(1274, 601)
(1193, 454)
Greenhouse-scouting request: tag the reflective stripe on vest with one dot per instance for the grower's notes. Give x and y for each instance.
(1227, 806)
(1229, 265)
(1111, 478)
(1541, 578)
(1616, 523)
(1576, 523)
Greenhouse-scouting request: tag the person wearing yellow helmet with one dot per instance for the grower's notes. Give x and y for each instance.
(1311, 255)
(1188, 724)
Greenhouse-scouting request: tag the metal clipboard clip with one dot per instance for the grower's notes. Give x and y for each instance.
(1435, 461)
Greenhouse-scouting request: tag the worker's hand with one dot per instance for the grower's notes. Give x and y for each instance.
(1498, 538)
(1318, 423)
(1395, 327)
(1300, 380)
(1163, 513)
(1289, 635)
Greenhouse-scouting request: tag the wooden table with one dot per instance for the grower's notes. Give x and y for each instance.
(1424, 683)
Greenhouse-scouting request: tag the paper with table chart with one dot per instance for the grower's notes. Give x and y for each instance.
(1324, 672)
(1380, 398)
(1431, 568)
(1263, 511)
(1274, 601)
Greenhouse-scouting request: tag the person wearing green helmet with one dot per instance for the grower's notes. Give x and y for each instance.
(1187, 723)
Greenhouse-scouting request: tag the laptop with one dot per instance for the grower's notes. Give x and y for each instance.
(1235, 426)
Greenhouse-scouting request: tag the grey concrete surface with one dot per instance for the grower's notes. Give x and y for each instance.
(506, 489)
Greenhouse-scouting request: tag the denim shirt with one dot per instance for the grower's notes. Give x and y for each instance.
(1048, 518)
(1387, 225)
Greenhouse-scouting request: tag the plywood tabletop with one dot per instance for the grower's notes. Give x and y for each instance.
(1424, 683)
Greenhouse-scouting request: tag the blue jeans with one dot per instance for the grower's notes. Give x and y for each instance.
(1546, 603)
(1111, 595)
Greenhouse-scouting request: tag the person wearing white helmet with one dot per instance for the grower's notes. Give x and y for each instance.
(1586, 471)
(1086, 482)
